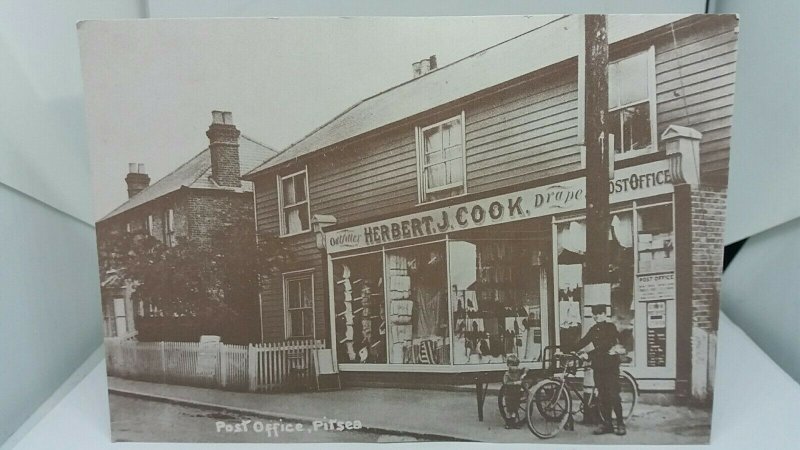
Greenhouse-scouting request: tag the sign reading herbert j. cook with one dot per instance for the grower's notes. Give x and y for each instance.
(628, 184)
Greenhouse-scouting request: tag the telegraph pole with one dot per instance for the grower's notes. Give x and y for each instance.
(596, 282)
(597, 155)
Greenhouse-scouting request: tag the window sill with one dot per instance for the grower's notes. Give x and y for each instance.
(297, 233)
(441, 200)
(633, 154)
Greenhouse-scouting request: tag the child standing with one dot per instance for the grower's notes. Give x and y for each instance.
(512, 386)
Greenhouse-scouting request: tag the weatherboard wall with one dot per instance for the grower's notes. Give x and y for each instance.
(522, 131)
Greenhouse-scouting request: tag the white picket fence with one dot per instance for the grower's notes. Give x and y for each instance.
(256, 368)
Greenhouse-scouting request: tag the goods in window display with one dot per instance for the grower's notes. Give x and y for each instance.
(419, 331)
(507, 279)
(359, 305)
(348, 314)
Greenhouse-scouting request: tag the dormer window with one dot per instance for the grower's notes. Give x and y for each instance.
(441, 160)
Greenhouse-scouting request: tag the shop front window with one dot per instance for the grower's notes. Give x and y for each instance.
(360, 309)
(656, 250)
(418, 323)
(623, 306)
(571, 244)
(574, 317)
(497, 288)
(656, 276)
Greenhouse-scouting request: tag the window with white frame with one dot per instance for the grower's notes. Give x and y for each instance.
(120, 317)
(293, 199)
(632, 104)
(298, 297)
(441, 159)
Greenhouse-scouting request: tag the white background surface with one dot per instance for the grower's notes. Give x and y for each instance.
(754, 408)
(761, 293)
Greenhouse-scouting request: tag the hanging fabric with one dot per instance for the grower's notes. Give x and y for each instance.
(572, 238)
(622, 227)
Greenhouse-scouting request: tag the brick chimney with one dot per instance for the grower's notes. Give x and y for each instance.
(424, 66)
(137, 179)
(224, 145)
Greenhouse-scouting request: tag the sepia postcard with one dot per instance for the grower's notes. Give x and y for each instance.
(493, 229)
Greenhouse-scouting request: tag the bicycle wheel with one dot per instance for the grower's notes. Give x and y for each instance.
(628, 395)
(549, 405)
(521, 410)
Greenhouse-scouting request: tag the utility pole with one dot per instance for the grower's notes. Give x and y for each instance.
(597, 157)
(596, 283)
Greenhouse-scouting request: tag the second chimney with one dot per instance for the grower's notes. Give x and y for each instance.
(223, 143)
(424, 66)
(137, 179)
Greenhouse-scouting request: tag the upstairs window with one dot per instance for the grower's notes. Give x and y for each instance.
(293, 199)
(441, 160)
(632, 104)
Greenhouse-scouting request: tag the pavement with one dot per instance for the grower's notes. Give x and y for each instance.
(435, 415)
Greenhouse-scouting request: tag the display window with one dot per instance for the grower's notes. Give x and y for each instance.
(641, 277)
(571, 250)
(621, 276)
(417, 307)
(656, 279)
(655, 239)
(359, 306)
(497, 288)
(477, 297)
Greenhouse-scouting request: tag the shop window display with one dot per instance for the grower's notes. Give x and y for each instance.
(571, 247)
(571, 260)
(418, 323)
(656, 255)
(655, 240)
(360, 309)
(623, 306)
(496, 290)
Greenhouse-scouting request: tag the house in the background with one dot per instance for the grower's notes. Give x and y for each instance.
(440, 225)
(191, 203)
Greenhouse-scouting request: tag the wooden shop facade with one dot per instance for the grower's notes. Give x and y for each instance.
(439, 226)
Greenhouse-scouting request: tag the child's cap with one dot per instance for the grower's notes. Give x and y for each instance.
(512, 360)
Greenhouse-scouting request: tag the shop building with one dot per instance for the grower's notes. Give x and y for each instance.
(439, 225)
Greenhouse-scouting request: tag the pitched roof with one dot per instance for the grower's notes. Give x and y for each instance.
(196, 173)
(556, 41)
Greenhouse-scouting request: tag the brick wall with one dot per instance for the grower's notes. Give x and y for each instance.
(208, 211)
(225, 164)
(708, 219)
(137, 217)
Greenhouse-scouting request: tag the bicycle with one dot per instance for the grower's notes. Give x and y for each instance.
(551, 403)
(521, 413)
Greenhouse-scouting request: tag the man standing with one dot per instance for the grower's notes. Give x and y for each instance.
(605, 364)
